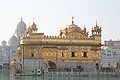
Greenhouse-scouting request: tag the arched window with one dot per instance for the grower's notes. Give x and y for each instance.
(32, 54)
(108, 63)
(84, 54)
(62, 54)
(73, 54)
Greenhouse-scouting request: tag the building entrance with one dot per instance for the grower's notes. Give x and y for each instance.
(52, 65)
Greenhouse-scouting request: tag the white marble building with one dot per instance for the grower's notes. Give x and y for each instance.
(4, 54)
(8, 52)
(110, 54)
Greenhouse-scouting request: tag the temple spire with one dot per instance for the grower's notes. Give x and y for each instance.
(29, 24)
(33, 20)
(96, 22)
(72, 20)
(84, 26)
(21, 18)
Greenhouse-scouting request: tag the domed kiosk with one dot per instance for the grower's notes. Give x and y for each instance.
(4, 43)
(73, 30)
(13, 41)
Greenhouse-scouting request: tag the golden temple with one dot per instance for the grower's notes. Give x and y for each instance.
(73, 47)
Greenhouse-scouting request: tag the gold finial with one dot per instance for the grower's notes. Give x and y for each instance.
(96, 22)
(33, 20)
(84, 26)
(72, 20)
(29, 24)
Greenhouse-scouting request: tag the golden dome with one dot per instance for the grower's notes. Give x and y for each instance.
(72, 25)
(73, 30)
(34, 27)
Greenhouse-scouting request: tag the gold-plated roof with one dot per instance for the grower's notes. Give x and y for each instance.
(73, 30)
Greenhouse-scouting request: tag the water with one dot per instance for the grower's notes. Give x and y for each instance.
(64, 78)
(6, 76)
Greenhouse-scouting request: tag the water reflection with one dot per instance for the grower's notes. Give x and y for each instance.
(64, 78)
(5, 76)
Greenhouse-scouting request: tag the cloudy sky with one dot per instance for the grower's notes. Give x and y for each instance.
(53, 15)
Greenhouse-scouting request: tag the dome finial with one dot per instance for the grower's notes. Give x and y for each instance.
(72, 20)
(84, 26)
(96, 22)
(33, 20)
(21, 18)
(29, 23)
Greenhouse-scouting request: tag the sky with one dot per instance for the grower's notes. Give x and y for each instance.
(52, 15)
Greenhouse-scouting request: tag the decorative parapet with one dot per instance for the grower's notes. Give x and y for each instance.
(40, 38)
